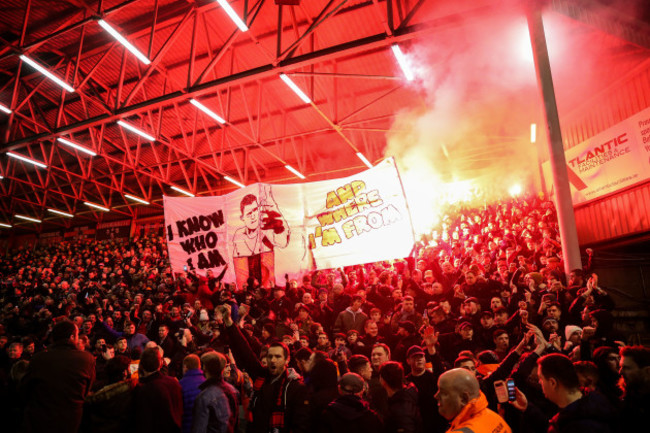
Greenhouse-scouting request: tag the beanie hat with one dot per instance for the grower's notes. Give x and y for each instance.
(569, 330)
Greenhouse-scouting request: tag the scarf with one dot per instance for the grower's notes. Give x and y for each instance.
(276, 423)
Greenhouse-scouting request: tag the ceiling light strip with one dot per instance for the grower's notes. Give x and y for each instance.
(233, 15)
(293, 86)
(403, 62)
(59, 212)
(294, 171)
(533, 132)
(182, 191)
(47, 73)
(5, 109)
(135, 130)
(122, 40)
(96, 206)
(26, 218)
(138, 199)
(5, 225)
(76, 146)
(24, 158)
(364, 159)
(231, 180)
(207, 111)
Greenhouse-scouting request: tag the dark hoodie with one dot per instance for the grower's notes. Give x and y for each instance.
(403, 412)
(349, 414)
(591, 414)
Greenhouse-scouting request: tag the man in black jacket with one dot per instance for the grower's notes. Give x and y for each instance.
(56, 383)
(635, 369)
(350, 413)
(426, 382)
(578, 413)
(158, 398)
(279, 403)
(403, 413)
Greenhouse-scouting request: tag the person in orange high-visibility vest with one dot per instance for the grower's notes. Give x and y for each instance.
(462, 403)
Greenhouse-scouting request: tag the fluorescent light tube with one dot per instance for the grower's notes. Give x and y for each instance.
(26, 218)
(96, 206)
(403, 62)
(5, 109)
(182, 191)
(533, 132)
(295, 88)
(364, 159)
(294, 171)
(231, 180)
(207, 111)
(24, 158)
(58, 212)
(76, 146)
(5, 225)
(122, 40)
(47, 73)
(134, 198)
(233, 15)
(135, 130)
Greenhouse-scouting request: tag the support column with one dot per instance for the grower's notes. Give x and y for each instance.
(566, 217)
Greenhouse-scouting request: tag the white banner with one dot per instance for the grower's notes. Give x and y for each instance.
(612, 160)
(266, 231)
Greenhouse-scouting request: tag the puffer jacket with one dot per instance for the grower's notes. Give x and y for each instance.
(476, 417)
(190, 383)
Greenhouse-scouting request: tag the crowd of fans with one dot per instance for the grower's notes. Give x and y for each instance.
(100, 336)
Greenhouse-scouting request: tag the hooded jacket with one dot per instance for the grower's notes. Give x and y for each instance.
(349, 414)
(477, 418)
(348, 319)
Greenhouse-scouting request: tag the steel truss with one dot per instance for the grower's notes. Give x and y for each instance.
(337, 51)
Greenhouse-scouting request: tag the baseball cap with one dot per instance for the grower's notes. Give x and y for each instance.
(351, 383)
(414, 350)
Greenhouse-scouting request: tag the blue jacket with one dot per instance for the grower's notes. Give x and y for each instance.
(216, 408)
(190, 383)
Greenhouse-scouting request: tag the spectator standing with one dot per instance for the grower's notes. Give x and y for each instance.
(377, 395)
(158, 399)
(406, 312)
(578, 412)
(216, 407)
(461, 402)
(192, 378)
(403, 414)
(57, 382)
(352, 317)
(109, 409)
(426, 383)
(635, 370)
(279, 403)
(350, 413)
